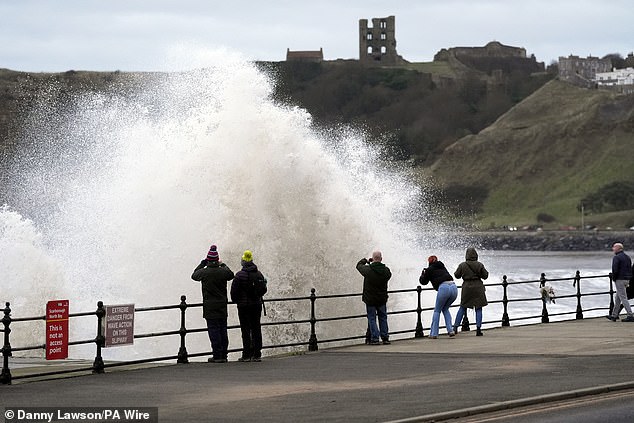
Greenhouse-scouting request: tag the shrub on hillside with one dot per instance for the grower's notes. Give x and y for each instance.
(615, 196)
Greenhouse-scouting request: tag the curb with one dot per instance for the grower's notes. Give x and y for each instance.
(507, 405)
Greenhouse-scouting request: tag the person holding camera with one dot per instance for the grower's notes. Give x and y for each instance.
(375, 278)
(214, 275)
(442, 282)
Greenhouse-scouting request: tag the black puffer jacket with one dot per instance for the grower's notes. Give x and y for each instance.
(248, 286)
(436, 273)
(213, 277)
(621, 266)
(375, 277)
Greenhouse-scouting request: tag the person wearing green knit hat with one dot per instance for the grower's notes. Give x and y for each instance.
(247, 289)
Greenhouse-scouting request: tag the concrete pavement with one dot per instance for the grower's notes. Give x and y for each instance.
(410, 380)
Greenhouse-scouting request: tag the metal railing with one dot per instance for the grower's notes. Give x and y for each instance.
(312, 342)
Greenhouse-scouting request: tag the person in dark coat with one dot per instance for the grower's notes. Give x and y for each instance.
(442, 282)
(375, 278)
(214, 275)
(473, 291)
(621, 275)
(247, 289)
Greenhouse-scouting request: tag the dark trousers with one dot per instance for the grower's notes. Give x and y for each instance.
(249, 317)
(217, 329)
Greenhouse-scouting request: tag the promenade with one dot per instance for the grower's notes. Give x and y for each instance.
(411, 379)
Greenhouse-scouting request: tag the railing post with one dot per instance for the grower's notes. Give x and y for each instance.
(419, 311)
(611, 294)
(577, 282)
(5, 376)
(312, 343)
(505, 301)
(182, 351)
(100, 340)
(542, 283)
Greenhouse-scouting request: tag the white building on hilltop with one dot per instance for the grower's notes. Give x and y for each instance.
(620, 79)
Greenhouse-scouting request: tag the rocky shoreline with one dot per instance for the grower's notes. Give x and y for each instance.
(552, 240)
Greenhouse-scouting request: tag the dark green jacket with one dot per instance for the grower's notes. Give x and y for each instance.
(214, 277)
(375, 277)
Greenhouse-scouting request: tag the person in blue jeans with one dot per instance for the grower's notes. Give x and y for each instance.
(375, 278)
(442, 281)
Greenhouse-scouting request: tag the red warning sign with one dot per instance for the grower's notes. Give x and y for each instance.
(57, 329)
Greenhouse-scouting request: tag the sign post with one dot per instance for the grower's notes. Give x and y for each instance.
(57, 329)
(119, 328)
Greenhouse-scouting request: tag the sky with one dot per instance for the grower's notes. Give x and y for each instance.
(167, 35)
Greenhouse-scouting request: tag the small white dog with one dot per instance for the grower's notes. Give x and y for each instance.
(548, 293)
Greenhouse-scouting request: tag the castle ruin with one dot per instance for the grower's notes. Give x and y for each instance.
(582, 72)
(377, 43)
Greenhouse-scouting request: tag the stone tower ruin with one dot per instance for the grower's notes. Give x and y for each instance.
(377, 43)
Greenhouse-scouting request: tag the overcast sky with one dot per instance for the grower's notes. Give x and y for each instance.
(146, 35)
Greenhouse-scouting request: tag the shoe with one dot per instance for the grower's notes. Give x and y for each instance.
(629, 319)
(256, 359)
(455, 329)
(614, 319)
(478, 332)
(433, 337)
(452, 334)
(244, 359)
(375, 342)
(386, 342)
(216, 360)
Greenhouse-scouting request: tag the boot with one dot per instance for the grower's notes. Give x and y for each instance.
(478, 332)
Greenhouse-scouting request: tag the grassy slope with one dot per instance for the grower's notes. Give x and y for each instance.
(544, 155)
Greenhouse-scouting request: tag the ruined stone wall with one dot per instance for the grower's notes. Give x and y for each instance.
(492, 49)
(582, 71)
(377, 43)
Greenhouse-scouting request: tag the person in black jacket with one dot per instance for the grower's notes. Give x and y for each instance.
(214, 275)
(247, 289)
(442, 282)
(621, 275)
(375, 278)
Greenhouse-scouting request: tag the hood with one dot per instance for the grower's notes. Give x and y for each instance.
(471, 254)
(249, 266)
(379, 268)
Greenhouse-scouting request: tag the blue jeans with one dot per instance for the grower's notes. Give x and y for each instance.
(217, 330)
(447, 294)
(382, 330)
(463, 310)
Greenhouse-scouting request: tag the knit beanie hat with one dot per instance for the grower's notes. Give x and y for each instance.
(432, 259)
(247, 256)
(212, 255)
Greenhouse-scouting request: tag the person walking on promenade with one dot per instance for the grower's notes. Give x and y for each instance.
(214, 275)
(247, 289)
(442, 282)
(473, 291)
(375, 278)
(621, 275)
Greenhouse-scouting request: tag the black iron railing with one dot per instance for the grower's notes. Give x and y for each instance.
(525, 314)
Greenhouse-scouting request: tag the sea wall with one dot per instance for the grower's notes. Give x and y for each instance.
(553, 241)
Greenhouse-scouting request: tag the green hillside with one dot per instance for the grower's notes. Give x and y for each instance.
(543, 158)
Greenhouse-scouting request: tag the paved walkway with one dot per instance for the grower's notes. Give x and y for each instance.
(441, 378)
